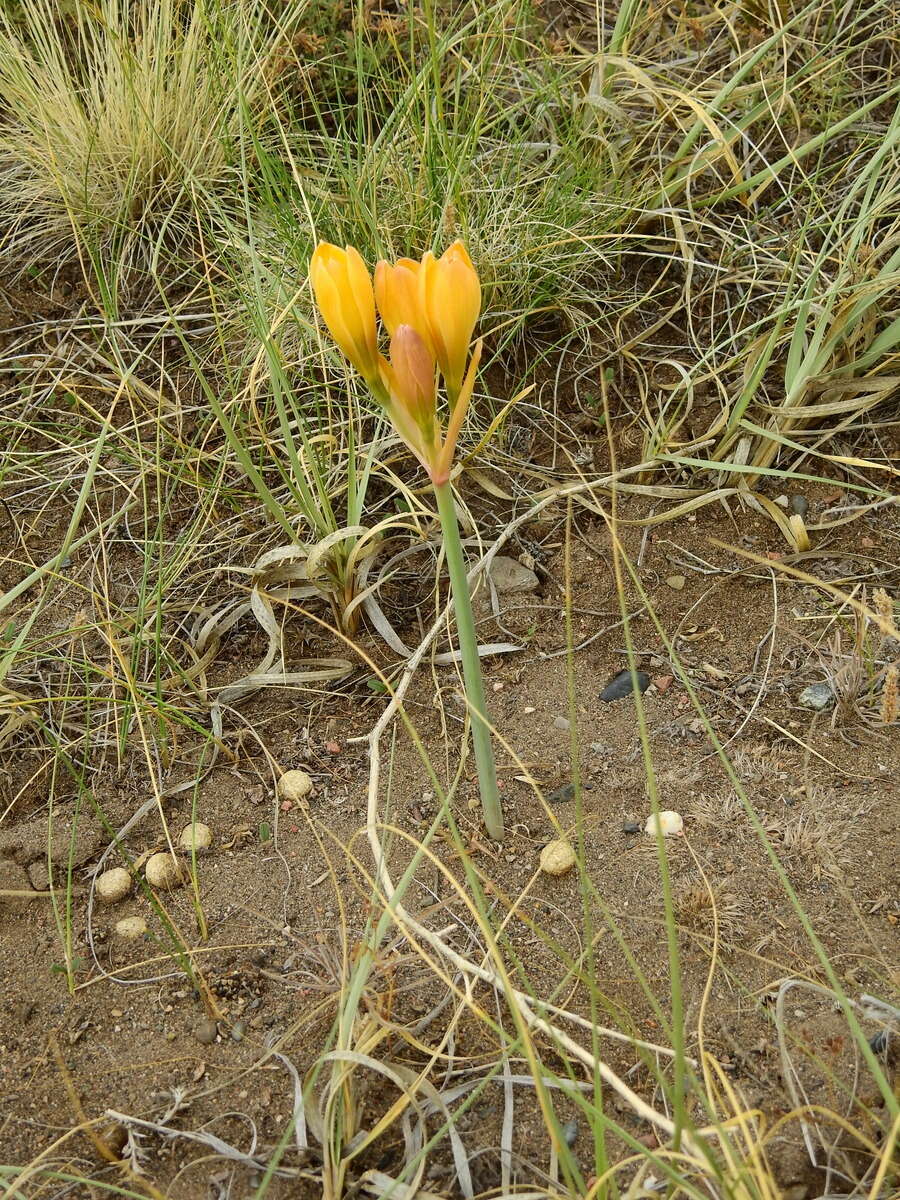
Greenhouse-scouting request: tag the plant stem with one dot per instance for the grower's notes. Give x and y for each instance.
(468, 648)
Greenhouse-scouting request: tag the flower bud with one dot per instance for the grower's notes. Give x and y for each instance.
(412, 377)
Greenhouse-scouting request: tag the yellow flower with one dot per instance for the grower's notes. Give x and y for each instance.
(450, 301)
(343, 289)
(429, 309)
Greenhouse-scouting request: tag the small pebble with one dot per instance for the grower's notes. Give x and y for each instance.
(631, 827)
(163, 871)
(113, 1135)
(206, 1032)
(799, 505)
(196, 835)
(294, 785)
(670, 823)
(662, 683)
(114, 885)
(818, 696)
(561, 723)
(675, 582)
(509, 575)
(129, 929)
(880, 1042)
(238, 1029)
(562, 795)
(620, 686)
(570, 1133)
(557, 858)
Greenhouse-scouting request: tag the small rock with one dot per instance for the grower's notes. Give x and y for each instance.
(294, 786)
(164, 872)
(129, 929)
(238, 1029)
(206, 1032)
(39, 875)
(113, 1135)
(509, 575)
(799, 505)
(818, 696)
(670, 823)
(630, 827)
(570, 1133)
(561, 723)
(557, 858)
(113, 885)
(562, 795)
(662, 683)
(675, 582)
(195, 836)
(620, 686)
(880, 1042)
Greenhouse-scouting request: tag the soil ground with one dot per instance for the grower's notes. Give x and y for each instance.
(284, 914)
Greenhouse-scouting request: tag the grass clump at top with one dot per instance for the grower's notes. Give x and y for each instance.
(122, 120)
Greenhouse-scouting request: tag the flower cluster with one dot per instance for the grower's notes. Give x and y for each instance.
(429, 310)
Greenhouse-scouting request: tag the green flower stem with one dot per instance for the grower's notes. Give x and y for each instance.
(468, 647)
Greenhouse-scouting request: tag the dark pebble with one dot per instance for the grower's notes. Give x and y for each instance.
(631, 827)
(562, 795)
(620, 686)
(880, 1042)
(799, 505)
(206, 1032)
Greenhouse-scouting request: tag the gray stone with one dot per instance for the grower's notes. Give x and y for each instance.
(37, 873)
(562, 795)
(508, 575)
(818, 696)
(570, 1133)
(206, 1032)
(799, 505)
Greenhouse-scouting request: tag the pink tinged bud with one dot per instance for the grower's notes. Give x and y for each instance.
(413, 377)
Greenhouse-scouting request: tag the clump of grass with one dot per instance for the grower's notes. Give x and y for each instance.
(703, 907)
(122, 119)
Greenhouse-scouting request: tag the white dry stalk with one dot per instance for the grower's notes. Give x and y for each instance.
(471, 970)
